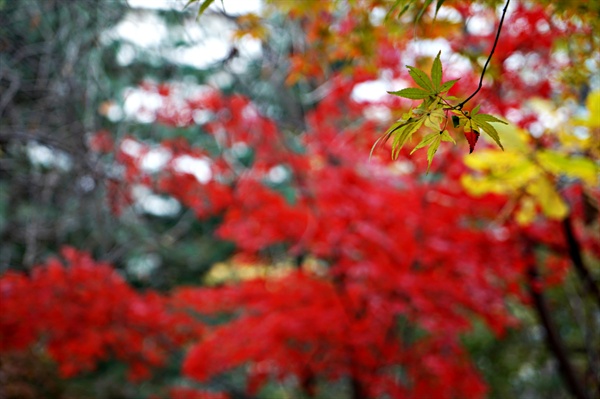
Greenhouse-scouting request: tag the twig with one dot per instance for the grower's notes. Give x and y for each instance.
(459, 106)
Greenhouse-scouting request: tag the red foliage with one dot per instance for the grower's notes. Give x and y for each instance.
(83, 312)
(420, 261)
(306, 326)
(188, 393)
(526, 43)
(102, 142)
(252, 205)
(407, 265)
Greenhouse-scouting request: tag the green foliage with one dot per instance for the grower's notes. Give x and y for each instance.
(433, 114)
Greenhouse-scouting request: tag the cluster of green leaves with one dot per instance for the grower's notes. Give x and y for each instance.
(433, 114)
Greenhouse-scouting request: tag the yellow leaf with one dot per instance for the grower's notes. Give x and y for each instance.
(593, 108)
(550, 201)
(575, 167)
(480, 186)
(526, 211)
(513, 138)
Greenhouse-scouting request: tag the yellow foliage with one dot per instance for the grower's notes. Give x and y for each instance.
(526, 212)
(252, 25)
(526, 174)
(543, 191)
(574, 167)
(233, 271)
(593, 107)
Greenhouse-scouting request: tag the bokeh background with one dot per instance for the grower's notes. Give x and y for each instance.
(189, 208)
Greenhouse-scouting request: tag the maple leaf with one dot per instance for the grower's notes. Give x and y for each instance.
(472, 136)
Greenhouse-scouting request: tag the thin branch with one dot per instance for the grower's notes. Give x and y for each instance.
(575, 254)
(553, 339)
(589, 347)
(489, 57)
(13, 88)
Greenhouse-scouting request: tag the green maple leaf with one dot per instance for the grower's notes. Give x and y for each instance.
(411, 93)
(436, 73)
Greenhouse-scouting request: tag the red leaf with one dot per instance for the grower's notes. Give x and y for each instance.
(472, 137)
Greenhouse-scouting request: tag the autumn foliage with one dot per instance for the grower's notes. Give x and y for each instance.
(51, 306)
(390, 267)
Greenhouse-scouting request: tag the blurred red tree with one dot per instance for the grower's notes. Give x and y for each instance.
(391, 267)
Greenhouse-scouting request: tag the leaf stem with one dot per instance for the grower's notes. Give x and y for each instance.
(454, 107)
(445, 122)
(450, 106)
(459, 106)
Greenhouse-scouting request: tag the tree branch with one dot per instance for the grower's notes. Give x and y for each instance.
(575, 254)
(553, 340)
(459, 106)
(358, 391)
